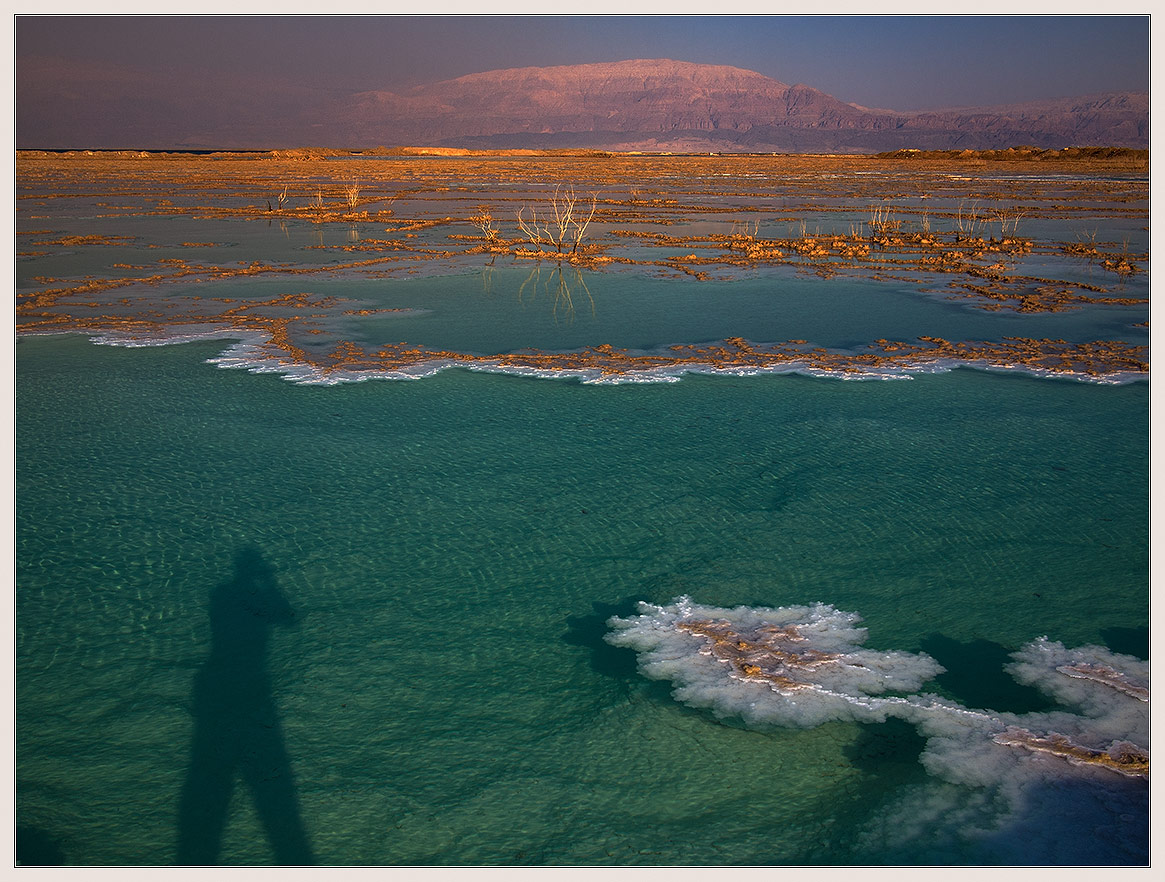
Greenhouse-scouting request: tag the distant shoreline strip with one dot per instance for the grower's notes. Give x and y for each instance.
(271, 351)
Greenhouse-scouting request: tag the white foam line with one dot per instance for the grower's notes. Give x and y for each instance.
(247, 354)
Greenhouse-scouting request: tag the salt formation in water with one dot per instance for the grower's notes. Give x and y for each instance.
(1064, 786)
(794, 666)
(804, 665)
(1110, 689)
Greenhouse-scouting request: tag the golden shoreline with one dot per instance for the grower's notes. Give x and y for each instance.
(615, 212)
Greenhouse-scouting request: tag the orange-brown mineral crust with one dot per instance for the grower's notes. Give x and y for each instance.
(1106, 675)
(1057, 356)
(768, 655)
(1122, 756)
(974, 247)
(980, 236)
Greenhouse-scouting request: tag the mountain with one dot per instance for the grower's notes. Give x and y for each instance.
(674, 105)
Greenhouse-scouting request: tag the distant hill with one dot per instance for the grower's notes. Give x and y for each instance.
(674, 105)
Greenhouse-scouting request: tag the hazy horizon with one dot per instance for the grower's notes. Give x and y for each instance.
(166, 81)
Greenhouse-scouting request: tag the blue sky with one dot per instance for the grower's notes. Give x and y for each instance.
(135, 66)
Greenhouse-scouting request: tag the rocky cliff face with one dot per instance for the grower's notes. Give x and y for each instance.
(663, 104)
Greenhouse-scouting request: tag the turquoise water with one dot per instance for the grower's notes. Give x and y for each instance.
(451, 549)
(260, 622)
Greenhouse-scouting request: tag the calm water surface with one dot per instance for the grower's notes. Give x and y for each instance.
(264, 622)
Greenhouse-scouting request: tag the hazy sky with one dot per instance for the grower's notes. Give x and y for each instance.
(72, 70)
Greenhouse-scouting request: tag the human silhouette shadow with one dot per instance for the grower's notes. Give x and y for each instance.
(237, 732)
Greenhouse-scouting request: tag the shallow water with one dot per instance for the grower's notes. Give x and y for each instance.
(451, 550)
(365, 623)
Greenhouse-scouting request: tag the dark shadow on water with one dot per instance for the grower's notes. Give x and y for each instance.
(891, 748)
(620, 663)
(237, 732)
(36, 848)
(1127, 641)
(976, 678)
(588, 631)
(1075, 822)
(887, 755)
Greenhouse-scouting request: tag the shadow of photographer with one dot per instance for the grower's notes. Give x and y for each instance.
(237, 731)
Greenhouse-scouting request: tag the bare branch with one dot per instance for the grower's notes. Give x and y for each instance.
(352, 194)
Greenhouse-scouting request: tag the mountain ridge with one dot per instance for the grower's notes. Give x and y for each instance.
(661, 103)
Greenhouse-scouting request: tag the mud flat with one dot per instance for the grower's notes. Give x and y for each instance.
(1013, 232)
